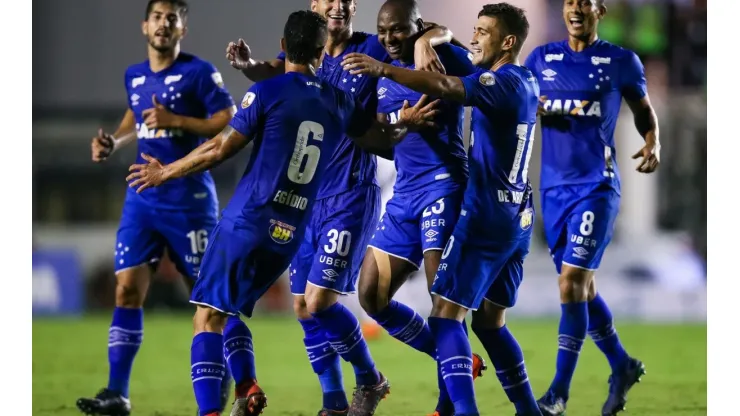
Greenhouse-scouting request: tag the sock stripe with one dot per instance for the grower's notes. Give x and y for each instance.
(238, 337)
(572, 338)
(207, 378)
(310, 347)
(351, 335)
(457, 357)
(237, 350)
(526, 380)
(128, 331)
(457, 374)
(521, 364)
(206, 363)
(328, 354)
(119, 343)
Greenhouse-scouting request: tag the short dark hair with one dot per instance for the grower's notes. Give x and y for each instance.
(180, 5)
(512, 18)
(305, 35)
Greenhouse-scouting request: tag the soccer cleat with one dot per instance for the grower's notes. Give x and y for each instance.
(365, 399)
(479, 366)
(250, 400)
(619, 384)
(106, 402)
(328, 412)
(551, 405)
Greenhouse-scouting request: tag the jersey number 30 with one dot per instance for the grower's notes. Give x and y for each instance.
(306, 156)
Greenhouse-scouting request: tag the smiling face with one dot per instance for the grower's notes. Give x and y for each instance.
(396, 26)
(338, 13)
(582, 16)
(488, 42)
(164, 26)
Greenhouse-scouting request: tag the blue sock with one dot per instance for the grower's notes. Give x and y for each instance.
(343, 331)
(454, 354)
(124, 338)
(325, 363)
(239, 350)
(508, 359)
(207, 370)
(572, 333)
(602, 331)
(407, 326)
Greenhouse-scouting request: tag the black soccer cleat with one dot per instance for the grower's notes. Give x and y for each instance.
(551, 405)
(106, 402)
(620, 383)
(366, 399)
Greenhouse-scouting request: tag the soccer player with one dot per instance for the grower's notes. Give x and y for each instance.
(348, 200)
(297, 122)
(175, 100)
(583, 82)
(432, 171)
(483, 258)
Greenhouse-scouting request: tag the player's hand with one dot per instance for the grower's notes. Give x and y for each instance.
(158, 117)
(147, 175)
(102, 146)
(421, 115)
(358, 63)
(650, 154)
(238, 54)
(541, 107)
(426, 58)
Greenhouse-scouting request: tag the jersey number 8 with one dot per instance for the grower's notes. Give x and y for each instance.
(299, 171)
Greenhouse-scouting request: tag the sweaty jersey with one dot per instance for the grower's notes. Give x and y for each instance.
(434, 157)
(502, 129)
(190, 87)
(296, 122)
(350, 164)
(584, 94)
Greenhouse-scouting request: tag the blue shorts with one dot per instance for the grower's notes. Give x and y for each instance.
(332, 249)
(579, 223)
(240, 265)
(474, 267)
(415, 223)
(144, 233)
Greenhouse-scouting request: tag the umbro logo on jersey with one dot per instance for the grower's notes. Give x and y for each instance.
(549, 75)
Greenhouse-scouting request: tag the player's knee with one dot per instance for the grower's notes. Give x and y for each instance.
(299, 307)
(574, 284)
(488, 317)
(368, 287)
(131, 287)
(319, 299)
(442, 308)
(208, 320)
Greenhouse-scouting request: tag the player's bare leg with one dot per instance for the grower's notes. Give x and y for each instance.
(124, 339)
(579, 302)
(208, 368)
(489, 325)
(323, 357)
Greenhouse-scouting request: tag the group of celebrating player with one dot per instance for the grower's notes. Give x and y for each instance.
(308, 201)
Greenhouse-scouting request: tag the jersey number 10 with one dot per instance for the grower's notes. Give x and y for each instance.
(300, 171)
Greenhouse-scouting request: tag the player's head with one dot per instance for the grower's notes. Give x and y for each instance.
(398, 22)
(304, 38)
(165, 23)
(501, 29)
(582, 16)
(338, 13)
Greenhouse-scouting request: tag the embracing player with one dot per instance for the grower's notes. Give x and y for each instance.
(583, 81)
(297, 122)
(482, 261)
(432, 171)
(348, 202)
(175, 100)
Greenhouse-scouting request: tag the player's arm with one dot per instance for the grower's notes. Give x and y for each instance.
(436, 34)
(373, 135)
(205, 127)
(384, 153)
(430, 83)
(240, 57)
(425, 57)
(103, 145)
(634, 91)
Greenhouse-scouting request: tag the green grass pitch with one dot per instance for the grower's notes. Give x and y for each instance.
(70, 360)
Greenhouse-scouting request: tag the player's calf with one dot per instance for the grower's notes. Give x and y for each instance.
(207, 358)
(489, 325)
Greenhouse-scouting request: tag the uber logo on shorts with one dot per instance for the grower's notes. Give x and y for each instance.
(527, 219)
(281, 232)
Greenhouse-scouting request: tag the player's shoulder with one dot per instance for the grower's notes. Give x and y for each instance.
(605, 52)
(138, 69)
(195, 64)
(450, 51)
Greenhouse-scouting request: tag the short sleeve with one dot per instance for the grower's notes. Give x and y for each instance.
(250, 116)
(211, 91)
(633, 83)
(457, 61)
(486, 90)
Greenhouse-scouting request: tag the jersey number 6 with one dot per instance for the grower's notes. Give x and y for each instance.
(298, 171)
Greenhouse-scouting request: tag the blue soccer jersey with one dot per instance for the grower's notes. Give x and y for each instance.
(484, 256)
(189, 87)
(296, 122)
(580, 178)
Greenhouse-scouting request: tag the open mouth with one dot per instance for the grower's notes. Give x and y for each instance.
(576, 22)
(163, 35)
(337, 18)
(394, 49)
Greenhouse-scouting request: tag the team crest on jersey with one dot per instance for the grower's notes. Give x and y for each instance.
(487, 79)
(526, 218)
(281, 232)
(248, 99)
(217, 79)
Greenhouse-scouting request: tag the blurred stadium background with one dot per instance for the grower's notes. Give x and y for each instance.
(654, 273)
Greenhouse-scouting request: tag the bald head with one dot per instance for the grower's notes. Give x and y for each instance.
(407, 10)
(398, 22)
